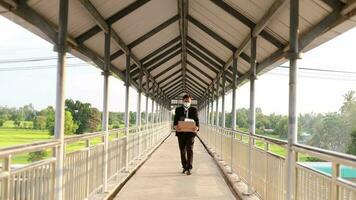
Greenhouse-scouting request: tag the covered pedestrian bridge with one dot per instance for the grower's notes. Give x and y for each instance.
(165, 49)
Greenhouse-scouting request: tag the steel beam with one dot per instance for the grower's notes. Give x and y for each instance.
(183, 29)
(175, 82)
(256, 28)
(168, 69)
(196, 87)
(197, 77)
(160, 49)
(211, 33)
(112, 19)
(116, 38)
(166, 59)
(146, 36)
(249, 23)
(194, 81)
(199, 70)
(205, 50)
(168, 77)
(203, 62)
(204, 57)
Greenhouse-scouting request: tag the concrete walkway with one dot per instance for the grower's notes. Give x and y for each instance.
(160, 178)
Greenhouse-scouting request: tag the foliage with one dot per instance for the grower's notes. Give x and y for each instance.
(86, 117)
(36, 156)
(69, 125)
(352, 146)
(2, 122)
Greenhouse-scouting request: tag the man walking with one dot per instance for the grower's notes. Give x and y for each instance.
(186, 139)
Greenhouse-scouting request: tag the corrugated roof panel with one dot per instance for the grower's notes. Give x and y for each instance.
(166, 64)
(96, 43)
(243, 66)
(109, 7)
(200, 66)
(264, 49)
(218, 21)
(172, 78)
(208, 42)
(157, 40)
(120, 62)
(79, 19)
(149, 17)
(190, 68)
(310, 13)
(169, 73)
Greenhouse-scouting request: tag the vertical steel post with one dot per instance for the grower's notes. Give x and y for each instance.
(152, 107)
(147, 96)
(127, 114)
(212, 105)
(61, 48)
(208, 108)
(223, 99)
(105, 121)
(234, 87)
(217, 102)
(233, 109)
(252, 121)
(138, 114)
(293, 118)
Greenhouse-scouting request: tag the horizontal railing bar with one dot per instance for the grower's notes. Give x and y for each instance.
(4, 152)
(314, 171)
(33, 165)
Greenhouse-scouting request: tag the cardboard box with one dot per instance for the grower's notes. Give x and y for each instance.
(186, 126)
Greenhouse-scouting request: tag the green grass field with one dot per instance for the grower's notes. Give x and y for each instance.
(14, 136)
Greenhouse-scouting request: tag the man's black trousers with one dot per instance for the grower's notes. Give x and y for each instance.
(186, 143)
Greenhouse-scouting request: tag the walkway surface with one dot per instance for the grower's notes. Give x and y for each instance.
(161, 178)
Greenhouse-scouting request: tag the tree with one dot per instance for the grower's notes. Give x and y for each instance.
(39, 122)
(69, 125)
(330, 133)
(17, 123)
(84, 116)
(282, 127)
(94, 119)
(132, 118)
(2, 121)
(351, 149)
(242, 118)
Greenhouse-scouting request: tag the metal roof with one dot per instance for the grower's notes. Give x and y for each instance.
(184, 45)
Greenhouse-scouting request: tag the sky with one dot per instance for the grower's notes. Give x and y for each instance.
(34, 82)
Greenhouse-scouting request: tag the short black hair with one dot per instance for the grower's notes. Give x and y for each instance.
(187, 96)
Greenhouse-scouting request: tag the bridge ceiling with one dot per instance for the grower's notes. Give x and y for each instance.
(190, 63)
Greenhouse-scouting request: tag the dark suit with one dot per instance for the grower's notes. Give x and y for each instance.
(186, 139)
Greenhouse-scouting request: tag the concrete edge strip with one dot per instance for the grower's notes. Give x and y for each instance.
(238, 194)
(112, 194)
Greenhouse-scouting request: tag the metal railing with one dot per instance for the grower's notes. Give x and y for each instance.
(267, 172)
(83, 169)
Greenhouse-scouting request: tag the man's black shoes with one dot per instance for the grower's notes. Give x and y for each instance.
(184, 170)
(188, 172)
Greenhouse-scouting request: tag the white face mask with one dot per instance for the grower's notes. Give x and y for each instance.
(186, 104)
